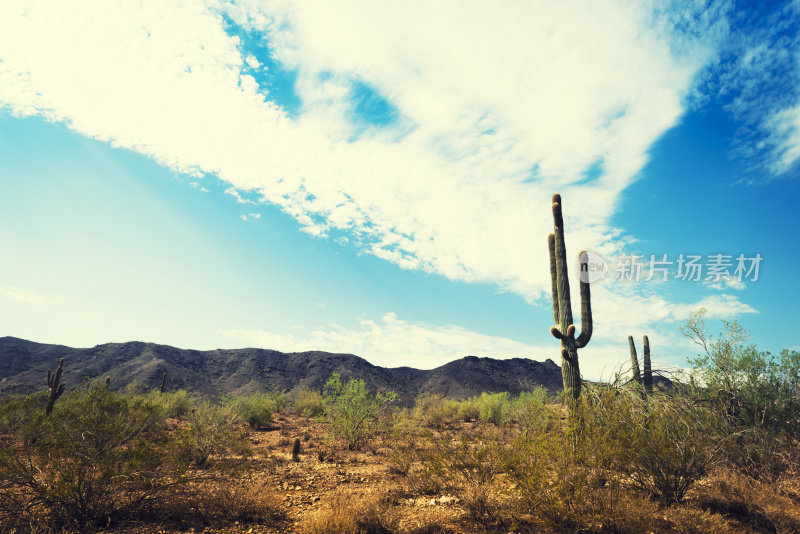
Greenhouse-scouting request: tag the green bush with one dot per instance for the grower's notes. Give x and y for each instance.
(468, 410)
(531, 412)
(493, 407)
(256, 410)
(352, 413)
(757, 389)
(468, 467)
(309, 403)
(435, 411)
(173, 403)
(211, 430)
(99, 456)
(663, 444)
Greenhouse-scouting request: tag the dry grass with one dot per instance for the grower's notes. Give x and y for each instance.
(347, 513)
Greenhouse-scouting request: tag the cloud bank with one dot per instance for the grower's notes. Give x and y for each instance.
(429, 135)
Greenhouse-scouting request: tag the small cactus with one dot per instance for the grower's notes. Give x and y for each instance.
(296, 450)
(56, 386)
(637, 377)
(107, 381)
(644, 379)
(648, 372)
(163, 381)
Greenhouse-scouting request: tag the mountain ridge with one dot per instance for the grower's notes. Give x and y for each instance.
(211, 373)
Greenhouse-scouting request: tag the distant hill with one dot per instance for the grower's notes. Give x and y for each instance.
(24, 365)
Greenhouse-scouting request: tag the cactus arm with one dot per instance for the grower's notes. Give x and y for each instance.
(634, 361)
(556, 332)
(648, 371)
(586, 310)
(551, 246)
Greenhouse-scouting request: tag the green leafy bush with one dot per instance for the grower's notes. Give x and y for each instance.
(256, 410)
(352, 413)
(97, 457)
(435, 411)
(468, 410)
(493, 407)
(173, 403)
(309, 403)
(663, 444)
(531, 412)
(757, 389)
(211, 430)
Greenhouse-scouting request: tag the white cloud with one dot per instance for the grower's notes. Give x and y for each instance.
(499, 106)
(785, 126)
(23, 295)
(393, 342)
(758, 74)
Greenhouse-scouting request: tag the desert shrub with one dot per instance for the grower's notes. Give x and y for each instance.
(353, 514)
(663, 444)
(756, 388)
(468, 410)
(211, 430)
(759, 454)
(754, 505)
(171, 403)
(98, 457)
(256, 410)
(493, 407)
(277, 401)
(353, 414)
(531, 412)
(557, 483)
(435, 411)
(220, 502)
(309, 403)
(468, 467)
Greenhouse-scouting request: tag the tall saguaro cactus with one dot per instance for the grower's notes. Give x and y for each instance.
(637, 377)
(56, 386)
(648, 371)
(564, 329)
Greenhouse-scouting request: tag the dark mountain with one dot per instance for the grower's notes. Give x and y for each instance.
(24, 365)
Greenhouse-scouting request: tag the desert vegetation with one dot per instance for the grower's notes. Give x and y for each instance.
(716, 452)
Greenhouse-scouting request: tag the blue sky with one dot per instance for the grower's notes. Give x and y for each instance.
(376, 178)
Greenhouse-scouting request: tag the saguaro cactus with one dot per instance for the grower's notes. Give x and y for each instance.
(163, 381)
(564, 329)
(56, 386)
(648, 372)
(637, 377)
(296, 450)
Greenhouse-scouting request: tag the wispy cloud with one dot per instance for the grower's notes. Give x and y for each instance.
(475, 132)
(758, 71)
(458, 185)
(23, 295)
(394, 342)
